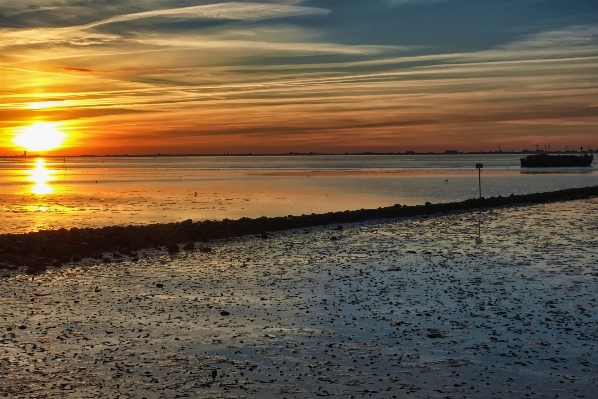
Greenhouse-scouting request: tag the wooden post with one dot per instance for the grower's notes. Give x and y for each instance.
(479, 166)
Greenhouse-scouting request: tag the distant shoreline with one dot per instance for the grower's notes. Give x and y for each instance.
(34, 252)
(291, 154)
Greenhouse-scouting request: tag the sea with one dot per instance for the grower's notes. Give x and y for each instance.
(39, 193)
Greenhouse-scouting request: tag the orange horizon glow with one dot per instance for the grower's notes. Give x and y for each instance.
(141, 79)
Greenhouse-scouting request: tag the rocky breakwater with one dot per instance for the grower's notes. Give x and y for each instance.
(36, 251)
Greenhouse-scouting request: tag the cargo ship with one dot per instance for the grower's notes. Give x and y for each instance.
(556, 161)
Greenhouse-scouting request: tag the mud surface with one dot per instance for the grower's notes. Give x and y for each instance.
(411, 307)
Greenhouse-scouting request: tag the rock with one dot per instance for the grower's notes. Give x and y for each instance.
(76, 257)
(224, 313)
(97, 255)
(35, 269)
(84, 248)
(159, 285)
(106, 260)
(339, 228)
(205, 249)
(116, 255)
(264, 235)
(434, 333)
(173, 248)
(57, 263)
(189, 247)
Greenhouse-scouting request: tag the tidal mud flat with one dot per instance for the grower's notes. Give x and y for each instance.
(412, 307)
(34, 252)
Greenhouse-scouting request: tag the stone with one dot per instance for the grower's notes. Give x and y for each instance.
(35, 269)
(434, 333)
(189, 247)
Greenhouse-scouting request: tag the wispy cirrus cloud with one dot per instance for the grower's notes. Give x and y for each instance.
(219, 11)
(229, 76)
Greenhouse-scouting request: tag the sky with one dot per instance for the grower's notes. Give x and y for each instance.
(186, 76)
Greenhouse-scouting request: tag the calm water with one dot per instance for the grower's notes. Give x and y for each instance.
(89, 192)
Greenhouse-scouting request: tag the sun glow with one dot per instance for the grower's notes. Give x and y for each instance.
(41, 136)
(41, 176)
(45, 104)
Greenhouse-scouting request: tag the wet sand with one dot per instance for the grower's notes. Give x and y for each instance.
(412, 307)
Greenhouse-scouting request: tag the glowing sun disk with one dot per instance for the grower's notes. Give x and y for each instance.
(41, 136)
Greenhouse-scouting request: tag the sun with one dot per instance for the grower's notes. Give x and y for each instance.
(41, 136)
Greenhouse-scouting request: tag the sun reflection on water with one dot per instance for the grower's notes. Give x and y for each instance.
(41, 176)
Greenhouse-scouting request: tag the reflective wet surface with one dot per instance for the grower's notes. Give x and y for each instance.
(412, 307)
(80, 192)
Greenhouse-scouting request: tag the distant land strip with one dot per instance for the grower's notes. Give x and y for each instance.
(36, 251)
(286, 154)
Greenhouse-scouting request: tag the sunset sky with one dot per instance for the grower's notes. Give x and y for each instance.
(186, 76)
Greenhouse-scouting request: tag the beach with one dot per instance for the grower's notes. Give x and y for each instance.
(291, 199)
(416, 306)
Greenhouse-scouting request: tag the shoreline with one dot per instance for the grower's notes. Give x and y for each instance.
(36, 251)
(295, 154)
(409, 307)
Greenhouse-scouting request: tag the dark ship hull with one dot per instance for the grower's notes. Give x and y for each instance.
(556, 161)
